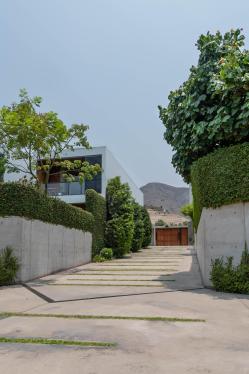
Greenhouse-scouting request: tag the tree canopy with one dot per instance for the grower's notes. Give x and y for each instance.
(31, 141)
(210, 109)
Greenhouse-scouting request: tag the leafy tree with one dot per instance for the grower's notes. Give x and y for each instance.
(187, 210)
(120, 224)
(147, 228)
(210, 109)
(139, 231)
(32, 141)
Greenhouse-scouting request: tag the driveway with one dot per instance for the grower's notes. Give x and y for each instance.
(152, 306)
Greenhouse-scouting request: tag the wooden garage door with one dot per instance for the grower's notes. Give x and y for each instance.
(172, 236)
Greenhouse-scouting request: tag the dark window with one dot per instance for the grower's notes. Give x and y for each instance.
(96, 182)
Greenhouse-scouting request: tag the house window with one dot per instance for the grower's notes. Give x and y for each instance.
(96, 182)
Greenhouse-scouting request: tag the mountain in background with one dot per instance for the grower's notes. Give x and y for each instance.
(164, 197)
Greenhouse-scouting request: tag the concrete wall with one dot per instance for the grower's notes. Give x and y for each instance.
(221, 232)
(43, 248)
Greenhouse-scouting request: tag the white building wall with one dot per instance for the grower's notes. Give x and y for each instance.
(113, 169)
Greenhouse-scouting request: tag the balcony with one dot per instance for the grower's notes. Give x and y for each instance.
(65, 189)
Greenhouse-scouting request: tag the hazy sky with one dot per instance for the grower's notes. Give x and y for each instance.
(109, 63)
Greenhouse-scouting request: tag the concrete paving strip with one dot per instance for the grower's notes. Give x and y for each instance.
(100, 284)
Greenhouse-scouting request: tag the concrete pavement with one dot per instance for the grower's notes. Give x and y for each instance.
(219, 345)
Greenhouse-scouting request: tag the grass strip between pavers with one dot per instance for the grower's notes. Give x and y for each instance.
(123, 274)
(85, 316)
(122, 280)
(56, 342)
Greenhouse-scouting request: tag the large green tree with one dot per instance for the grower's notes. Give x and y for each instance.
(31, 141)
(210, 109)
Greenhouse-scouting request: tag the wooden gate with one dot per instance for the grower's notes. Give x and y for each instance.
(172, 236)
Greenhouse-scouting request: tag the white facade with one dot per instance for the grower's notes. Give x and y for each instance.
(110, 169)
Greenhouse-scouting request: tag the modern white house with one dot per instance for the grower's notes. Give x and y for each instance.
(74, 192)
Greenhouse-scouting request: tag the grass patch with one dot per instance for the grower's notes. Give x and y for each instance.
(56, 342)
(85, 316)
(124, 280)
(129, 275)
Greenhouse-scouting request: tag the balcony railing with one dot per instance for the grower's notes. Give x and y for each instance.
(65, 189)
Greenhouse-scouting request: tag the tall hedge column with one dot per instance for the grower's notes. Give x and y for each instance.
(96, 204)
(120, 223)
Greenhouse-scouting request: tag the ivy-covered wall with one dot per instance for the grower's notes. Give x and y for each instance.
(220, 178)
(96, 204)
(25, 201)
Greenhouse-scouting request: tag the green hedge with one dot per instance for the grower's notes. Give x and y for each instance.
(220, 178)
(28, 202)
(95, 203)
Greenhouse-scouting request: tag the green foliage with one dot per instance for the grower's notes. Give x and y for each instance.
(187, 210)
(211, 109)
(229, 278)
(98, 258)
(147, 228)
(25, 201)
(160, 222)
(106, 253)
(138, 235)
(8, 266)
(96, 204)
(38, 139)
(220, 178)
(2, 167)
(120, 225)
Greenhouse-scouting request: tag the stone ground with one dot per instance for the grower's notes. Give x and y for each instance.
(160, 281)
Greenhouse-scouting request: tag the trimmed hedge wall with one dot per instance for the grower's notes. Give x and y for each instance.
(220, 178)
(96, 204)
(28, 202)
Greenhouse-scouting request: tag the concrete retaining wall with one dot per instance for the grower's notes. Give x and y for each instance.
(43, 248)
(221, 232)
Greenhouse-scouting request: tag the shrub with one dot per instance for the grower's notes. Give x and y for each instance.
(96, 204)
(147, 228)
(160, 222)
(229, 278)
(8, 266)
(25, 201)
(106, 253)
(138, 235)
(187, 210)
(220, 178)
(120, 225)
(116, 236)
(98, 258)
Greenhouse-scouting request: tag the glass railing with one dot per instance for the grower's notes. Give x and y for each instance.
(65, 189)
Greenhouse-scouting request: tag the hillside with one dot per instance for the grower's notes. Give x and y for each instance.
(160, 195)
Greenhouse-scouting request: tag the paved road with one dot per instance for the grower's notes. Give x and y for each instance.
(171, 287)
